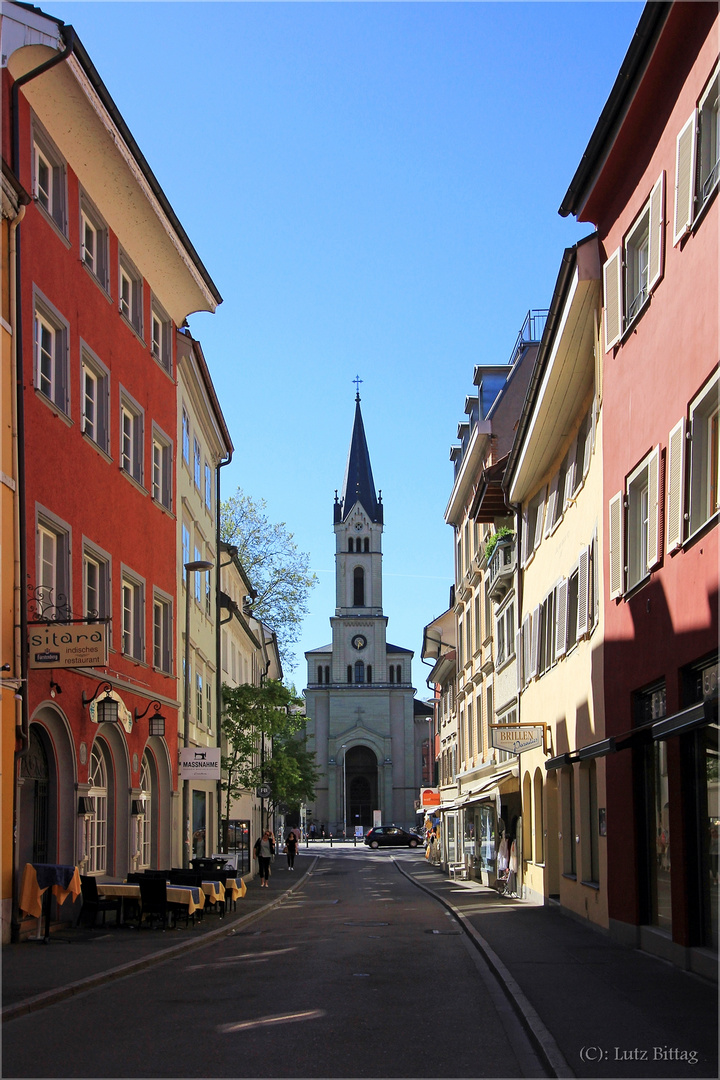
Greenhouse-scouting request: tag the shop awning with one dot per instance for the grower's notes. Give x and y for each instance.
(490, 787)
(696, 716)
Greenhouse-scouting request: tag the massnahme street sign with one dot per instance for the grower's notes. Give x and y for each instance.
(199, 763)
(68, 645)
(516, 738)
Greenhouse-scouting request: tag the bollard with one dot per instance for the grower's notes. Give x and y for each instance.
(330, 839)
(354, 841)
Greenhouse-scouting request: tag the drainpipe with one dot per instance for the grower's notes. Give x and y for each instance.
(21, 533)
(218, 656)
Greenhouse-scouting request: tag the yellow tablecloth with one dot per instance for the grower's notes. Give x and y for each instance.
(214, 891)
(31, 893)
(111, 888)
(235, 888)
(176, 894)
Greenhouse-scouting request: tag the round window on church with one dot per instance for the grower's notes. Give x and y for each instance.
(359, 642)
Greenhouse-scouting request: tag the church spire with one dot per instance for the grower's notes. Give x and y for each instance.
(358, 485)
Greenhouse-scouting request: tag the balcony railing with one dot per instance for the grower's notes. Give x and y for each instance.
(501, 568)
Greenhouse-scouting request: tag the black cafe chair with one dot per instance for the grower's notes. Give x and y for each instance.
(154, 901)
(93, 903)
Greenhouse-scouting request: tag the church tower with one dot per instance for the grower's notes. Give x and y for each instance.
(359, 696)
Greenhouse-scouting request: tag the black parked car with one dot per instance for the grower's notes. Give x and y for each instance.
(392, 836)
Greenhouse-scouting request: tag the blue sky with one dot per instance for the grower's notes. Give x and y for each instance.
(373, 188)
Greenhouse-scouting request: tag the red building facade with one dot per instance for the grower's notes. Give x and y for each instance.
(105, 274)
(648, 182)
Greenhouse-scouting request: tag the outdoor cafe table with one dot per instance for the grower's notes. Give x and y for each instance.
(39, 881)
(176, 894)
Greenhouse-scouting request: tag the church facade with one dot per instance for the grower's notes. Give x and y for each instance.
(359, 696)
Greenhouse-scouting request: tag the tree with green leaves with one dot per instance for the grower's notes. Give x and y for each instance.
(262, 742)
(279, 572)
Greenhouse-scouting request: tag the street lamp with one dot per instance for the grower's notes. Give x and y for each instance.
(344, 747)
(190, 567)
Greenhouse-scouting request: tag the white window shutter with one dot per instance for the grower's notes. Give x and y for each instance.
(676, 487)
(527, 645)
(534, 645)
(657, 232)
(540, 518)
(561, 618)
(551, 503)
(584, 599)
(615, 544)
(589, 440)
(570, 474)
(519, 659)
(654, 543)
(524, 545)
(612, 295)
(684, 179)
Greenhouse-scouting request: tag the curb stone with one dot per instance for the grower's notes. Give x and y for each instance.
(539, 1035)
(61, 993)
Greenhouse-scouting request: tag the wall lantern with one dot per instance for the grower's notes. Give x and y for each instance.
(156, 722)
(106, 708)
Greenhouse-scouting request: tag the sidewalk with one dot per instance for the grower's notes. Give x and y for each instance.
(35, 974)
(591, 1007)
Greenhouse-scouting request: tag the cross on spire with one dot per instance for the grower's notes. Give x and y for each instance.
(357, 380)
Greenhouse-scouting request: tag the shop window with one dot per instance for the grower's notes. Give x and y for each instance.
(567, 782)
(539, 819)
(648, 705)
(590, 823)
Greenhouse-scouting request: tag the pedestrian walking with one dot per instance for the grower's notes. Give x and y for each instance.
(291, 845)
(264, 851)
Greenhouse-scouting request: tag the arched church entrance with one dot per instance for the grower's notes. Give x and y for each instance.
(361, 777)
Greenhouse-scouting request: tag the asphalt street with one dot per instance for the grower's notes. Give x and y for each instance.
(357, 973)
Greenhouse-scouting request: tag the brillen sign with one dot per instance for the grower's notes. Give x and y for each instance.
(68, 645)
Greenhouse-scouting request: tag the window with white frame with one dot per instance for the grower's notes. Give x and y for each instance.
(208, 487)
(633, 527)
(634, 269)
(208, 594)
(133, 613)
(199, 575)
(131, 437)
(95, 399)
(704, 460)
(51, 355)
(556, 497)
(161, 336)
(96, 583)
(208, 703)
(93, 241)
(53, 560)
(162, 455)
(199, 698)
(533, 520)
(697, 160)
(185, 545)
(145, 838)
(130, 294)
(96, 823)
(49, 177)
(505, 634)
(162, 632)
(197, 464)
(506, 718)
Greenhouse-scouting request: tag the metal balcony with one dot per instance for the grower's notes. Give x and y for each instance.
(501, 568)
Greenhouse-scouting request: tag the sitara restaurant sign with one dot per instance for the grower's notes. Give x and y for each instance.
(199, 763)
(515, 738)
(68, 645)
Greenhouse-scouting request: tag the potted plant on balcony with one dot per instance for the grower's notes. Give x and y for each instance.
(503, 534)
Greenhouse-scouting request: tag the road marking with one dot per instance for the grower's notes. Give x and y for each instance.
(266, 1021)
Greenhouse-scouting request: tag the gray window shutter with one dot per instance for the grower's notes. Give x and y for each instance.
(656, 232)
(615, 545)
(561, 618)
(612, 295)
(685, 179)
(676, 487)
(527, 646)
(519, 659)
(584, 599)
(654, 552)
